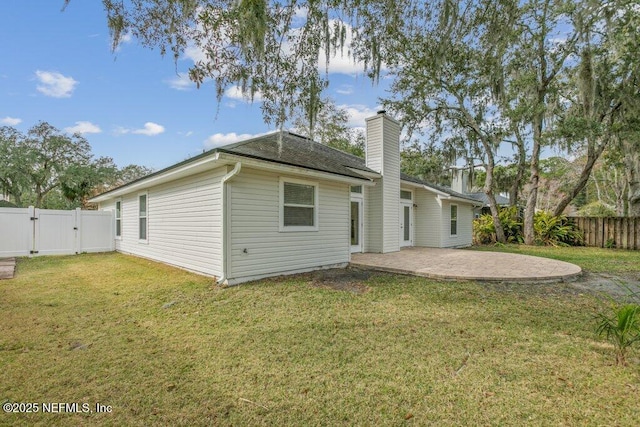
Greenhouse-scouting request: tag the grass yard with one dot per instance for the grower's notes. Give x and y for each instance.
(162, 346)
(594, 260)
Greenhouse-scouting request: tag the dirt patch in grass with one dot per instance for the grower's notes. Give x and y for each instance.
(617, 286)
(341, 279)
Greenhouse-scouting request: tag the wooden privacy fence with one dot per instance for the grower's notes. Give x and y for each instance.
(611, 232)
(30, 231)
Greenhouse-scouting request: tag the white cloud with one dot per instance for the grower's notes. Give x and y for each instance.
(194, 53)
(358, 113)
(119, 130)
(55, 84)
(345, 90)
(341, 61)
(180, 82)
(235, 92)
(83, 127)
(126, 38)
(220, 139)
(149, 129)
(10, 121)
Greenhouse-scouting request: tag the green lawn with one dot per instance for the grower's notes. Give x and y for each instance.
(595, 260)
(101, 329)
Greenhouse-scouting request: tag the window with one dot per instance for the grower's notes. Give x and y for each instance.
(356, 189)
(118, 218)
(299, 200)
(142, 217)
(406, 195)
(454, 220)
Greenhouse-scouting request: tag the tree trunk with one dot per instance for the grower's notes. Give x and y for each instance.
(634, 196)
(514, 191)
(632, 162)
(593, 154)
(534, 180)
(488, 189)
(17, 199)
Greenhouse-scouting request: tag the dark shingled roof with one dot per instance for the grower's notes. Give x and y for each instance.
(446, 190)
(482, 197)
(296, 150)
(290, 149)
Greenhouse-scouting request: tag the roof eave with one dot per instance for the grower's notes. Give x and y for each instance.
(366, 174)
(273, 166)
(170, 174)
(459, 199)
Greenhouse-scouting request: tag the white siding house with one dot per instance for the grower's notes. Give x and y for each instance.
(261, 247)
(281, 204)
(184, 222)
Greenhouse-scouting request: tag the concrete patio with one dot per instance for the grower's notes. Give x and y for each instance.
(7, 268)
(459, 264)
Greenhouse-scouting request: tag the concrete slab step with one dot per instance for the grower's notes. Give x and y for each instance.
(7, 268)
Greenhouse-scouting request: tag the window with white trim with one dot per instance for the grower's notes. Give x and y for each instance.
(454, 220)
(142, 217)
(298, 205)
(118, 218)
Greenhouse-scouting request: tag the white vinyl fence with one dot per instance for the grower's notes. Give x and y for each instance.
(30, 231)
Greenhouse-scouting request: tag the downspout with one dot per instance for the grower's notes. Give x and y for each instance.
(226, 232)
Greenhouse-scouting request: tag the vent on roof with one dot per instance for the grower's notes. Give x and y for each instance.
(382, 112)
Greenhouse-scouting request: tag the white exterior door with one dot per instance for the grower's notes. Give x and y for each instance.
(355, 225)
(406, 224)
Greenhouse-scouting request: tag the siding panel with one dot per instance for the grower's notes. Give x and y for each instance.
(391, 187)
(184, 223)
(465, 225)
(255, 228)
(373, 218)
(427, 219)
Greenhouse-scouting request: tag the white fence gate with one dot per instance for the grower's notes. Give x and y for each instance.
(30, 231)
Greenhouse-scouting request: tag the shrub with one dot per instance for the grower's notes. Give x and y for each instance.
(484, 230)
(621, 325)
(549, 230)
(555, 230)
(596, 209)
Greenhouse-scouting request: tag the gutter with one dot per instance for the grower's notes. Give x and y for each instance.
(226, 228)
(459, 199)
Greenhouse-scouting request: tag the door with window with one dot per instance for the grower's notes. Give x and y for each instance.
(355, 227)
(406, 224)
(406, 218)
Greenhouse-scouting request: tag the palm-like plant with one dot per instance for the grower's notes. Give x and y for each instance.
(622, 328)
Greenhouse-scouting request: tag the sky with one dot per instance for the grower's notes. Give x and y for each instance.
(132, 105)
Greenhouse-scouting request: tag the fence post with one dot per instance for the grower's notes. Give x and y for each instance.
(35, 230)
(78, 231)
